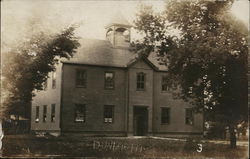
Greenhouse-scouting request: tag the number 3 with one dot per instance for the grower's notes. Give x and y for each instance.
(199, 149)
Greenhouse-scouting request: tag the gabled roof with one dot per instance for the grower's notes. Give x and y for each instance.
(145, 59)
(102, 53)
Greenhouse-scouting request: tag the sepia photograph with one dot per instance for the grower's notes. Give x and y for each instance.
(125, 79)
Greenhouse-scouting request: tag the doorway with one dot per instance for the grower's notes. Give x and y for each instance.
(140, 120)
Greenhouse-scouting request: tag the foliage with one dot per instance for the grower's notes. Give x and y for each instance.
(26, 68)
(207, 58)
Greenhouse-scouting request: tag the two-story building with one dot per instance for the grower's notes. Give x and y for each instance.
(107, 89)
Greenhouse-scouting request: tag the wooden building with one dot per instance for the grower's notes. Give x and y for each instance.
(107, 89)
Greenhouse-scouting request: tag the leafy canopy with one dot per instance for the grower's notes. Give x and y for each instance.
(205, 49)
(26, 68)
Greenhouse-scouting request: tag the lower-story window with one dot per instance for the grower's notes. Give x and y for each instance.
(44, 113)
(189, 116)
(37, 114)
(165, 115)
(80, 115)
(53, 112)
(108, 113)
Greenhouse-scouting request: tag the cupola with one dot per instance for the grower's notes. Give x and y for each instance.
(118, 31)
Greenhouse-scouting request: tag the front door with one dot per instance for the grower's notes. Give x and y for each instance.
(140, 121)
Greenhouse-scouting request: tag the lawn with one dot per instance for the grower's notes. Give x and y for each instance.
(77, 146)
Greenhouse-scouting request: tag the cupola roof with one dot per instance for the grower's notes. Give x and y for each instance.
(118, 19)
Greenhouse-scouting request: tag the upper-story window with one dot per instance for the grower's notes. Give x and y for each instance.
(54, 80)
(164, 83)
(81, 78)
(140, 81)
(109, 80)
(80, 113)
(37, 114)
(165, 115)
(53, 112)
(45, 85)
(189, 116)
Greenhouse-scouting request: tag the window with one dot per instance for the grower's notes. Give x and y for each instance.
(126, 35)
(53, 112)
(108, 113)
(124, 32)
(190, 91)
(81, 78)
(80, 113)
(140, 84)
(109, 80)
(44, 113)
(165, 115)
(189, 116)
(53, 79)
(45, 85)
(164, 83)
(37, 114)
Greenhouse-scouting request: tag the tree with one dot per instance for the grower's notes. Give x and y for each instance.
(26, 68)
(207, 58)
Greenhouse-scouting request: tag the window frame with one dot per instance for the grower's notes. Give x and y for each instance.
(45, 85)
(186, 117)
(105, 84)
(37, 115)
(84, 112)
(169, 116)
(53, 79)
(164, 83)
(144, 82)
(53, 113)
(104, 114)
(45, 111)
(84, 78)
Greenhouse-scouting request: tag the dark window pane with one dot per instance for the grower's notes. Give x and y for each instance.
(140, 83)
(53, 111)
(37, 114)
(54, 79)
(142, 78)
(189, 116)
(165, 115)
(142, 86)
(44, 113)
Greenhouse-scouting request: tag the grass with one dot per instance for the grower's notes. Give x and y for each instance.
(64, 146)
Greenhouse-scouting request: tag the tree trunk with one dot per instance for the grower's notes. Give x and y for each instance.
(232, 137)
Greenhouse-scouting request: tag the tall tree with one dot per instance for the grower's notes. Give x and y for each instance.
(26, 67)
(207, 58)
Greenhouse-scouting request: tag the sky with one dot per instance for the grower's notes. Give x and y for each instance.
(92, 15)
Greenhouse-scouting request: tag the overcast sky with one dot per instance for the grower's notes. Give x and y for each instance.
(16, 15)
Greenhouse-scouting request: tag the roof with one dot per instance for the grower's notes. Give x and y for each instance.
(118, 19)
(102, 53)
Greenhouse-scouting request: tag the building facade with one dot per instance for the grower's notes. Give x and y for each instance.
(106, 89)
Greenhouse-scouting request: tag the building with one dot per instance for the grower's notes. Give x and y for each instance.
(108, 90)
